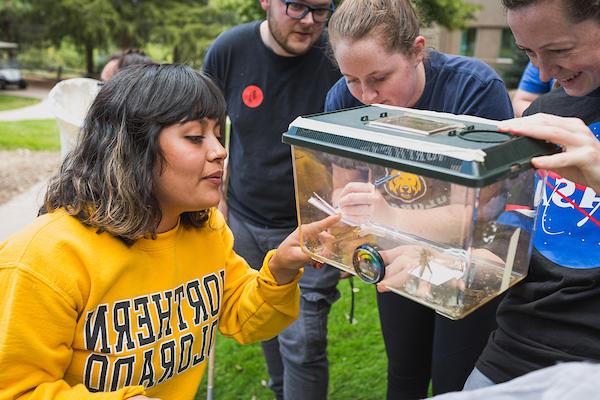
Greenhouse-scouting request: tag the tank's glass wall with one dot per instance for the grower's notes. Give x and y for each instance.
(444, 245)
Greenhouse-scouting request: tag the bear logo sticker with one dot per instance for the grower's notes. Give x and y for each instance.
(405, 187)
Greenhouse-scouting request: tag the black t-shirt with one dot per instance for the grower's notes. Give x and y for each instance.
(264, 93)
(554, 314)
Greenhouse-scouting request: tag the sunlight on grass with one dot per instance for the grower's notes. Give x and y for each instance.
(32, 134)
(10, 102)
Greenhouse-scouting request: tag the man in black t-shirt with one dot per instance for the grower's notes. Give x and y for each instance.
(552, 315)
(271, 72)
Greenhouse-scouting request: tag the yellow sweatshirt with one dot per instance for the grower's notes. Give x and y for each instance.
(81, 312)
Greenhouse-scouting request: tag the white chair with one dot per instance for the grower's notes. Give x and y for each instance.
(70, 101)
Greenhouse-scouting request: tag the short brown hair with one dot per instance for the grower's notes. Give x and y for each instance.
(395, 22)
(576, 10)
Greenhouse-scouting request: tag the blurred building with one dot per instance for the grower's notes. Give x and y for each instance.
(487, 37)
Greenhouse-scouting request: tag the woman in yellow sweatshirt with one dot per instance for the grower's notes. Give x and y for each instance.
(120, 287)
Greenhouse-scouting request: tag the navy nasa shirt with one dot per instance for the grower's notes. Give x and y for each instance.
(552, 315)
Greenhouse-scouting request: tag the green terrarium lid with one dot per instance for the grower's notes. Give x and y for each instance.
(453, 148)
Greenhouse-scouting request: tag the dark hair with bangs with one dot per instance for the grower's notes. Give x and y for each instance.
(107, 180)
(576, 10)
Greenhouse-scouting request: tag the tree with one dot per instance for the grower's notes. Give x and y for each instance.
(86, 22)
(451, 14)
(15, 22)
(93, 24)
(189, 27)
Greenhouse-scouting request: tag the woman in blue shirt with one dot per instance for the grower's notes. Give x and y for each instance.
(384, 60)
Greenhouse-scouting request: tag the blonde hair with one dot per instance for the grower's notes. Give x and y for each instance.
(394, 23)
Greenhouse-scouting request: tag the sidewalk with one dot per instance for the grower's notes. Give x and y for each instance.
(22, 209)
(36, 111)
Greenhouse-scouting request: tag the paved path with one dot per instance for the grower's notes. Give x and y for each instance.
(36, 111)
(36, 91)
(22, 209)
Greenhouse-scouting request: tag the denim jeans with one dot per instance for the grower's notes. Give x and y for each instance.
(297, 358)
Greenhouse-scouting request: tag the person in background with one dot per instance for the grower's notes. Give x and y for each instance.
(131, 57)
(121, 60)
(384, 59)
(119, 288)
(552, 315)
(111, 67)
(271, 72)
(530, 88)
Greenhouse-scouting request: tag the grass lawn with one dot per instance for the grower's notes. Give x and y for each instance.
(31, 134)
(9, 102)
(356, 356)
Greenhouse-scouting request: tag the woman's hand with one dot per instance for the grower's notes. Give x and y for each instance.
(360, 202)
(289, 257)
(580, 159)
(400, 262)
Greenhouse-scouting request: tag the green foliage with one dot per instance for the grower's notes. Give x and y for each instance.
(66, 33)
(66, 56)
(244, 10)
(10, 102)
(16, 27)
(85, 22)
(356, 356)
(451, 14)
(32, 134)
(190, 28)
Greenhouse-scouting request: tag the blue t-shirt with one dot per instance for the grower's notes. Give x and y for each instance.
(531, 82)
(453, 84)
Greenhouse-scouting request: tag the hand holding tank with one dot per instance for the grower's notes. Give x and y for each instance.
(435, 216)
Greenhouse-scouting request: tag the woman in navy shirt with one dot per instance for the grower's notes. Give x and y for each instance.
(384, 60)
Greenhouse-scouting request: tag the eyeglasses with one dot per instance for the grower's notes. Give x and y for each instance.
(299, 10)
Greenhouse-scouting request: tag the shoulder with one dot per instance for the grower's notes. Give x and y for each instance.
(461, 67)
(50, 234)
(239, 35)
(52, 250)
(48, 231)
(339, 97)
(464, 85)
(558, 102)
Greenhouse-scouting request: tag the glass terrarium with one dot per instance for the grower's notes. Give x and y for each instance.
(436, 207)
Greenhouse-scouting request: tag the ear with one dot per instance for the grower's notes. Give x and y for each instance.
(419, 49)
(264, 4)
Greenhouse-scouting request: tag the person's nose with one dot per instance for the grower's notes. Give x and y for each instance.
(217, 151)
(548, 68)
(369, 94)
(308, 19)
